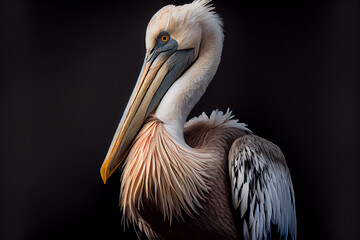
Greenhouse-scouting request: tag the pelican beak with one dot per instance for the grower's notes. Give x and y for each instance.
(157, 75)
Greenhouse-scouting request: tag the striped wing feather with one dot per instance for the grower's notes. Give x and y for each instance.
(262, 191)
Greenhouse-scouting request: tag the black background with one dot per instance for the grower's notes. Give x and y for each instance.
(290, 69)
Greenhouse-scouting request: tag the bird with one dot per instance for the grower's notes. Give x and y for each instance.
(209, 177)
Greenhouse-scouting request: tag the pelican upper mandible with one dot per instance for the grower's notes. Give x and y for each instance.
(206, 178)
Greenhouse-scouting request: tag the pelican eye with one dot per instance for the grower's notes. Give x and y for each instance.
(164, 38)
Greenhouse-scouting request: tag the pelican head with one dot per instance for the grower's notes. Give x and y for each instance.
(176, 37)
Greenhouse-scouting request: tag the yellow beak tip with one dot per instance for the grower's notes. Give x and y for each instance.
(104, 180)
(104, 174)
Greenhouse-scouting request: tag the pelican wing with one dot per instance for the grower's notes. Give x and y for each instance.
(262, 191)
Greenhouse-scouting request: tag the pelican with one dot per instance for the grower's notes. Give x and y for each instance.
(206, 178)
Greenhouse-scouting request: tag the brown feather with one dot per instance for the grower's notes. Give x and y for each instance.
(189, 183)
